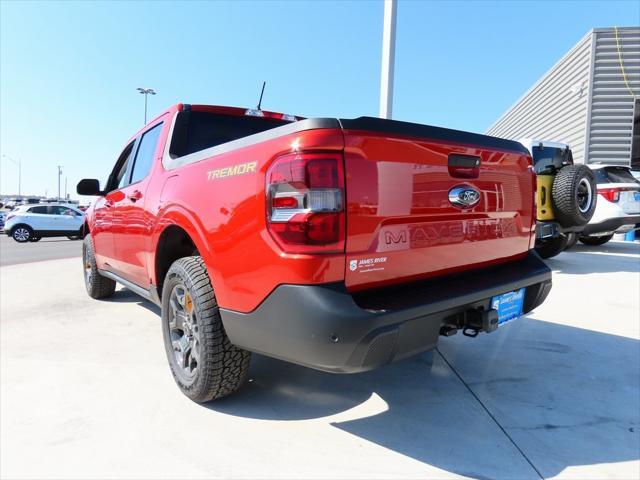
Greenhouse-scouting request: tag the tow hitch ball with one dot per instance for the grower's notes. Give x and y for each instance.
(473, 322)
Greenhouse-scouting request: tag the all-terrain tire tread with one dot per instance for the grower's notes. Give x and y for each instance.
(224, 367)
(563, 196)
(99, 287)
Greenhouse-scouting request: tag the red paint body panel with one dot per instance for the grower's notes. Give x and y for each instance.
(396, 207)
(229, 216)
(401, 225)
(226, 219)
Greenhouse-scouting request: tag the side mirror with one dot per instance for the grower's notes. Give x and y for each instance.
(89, 186)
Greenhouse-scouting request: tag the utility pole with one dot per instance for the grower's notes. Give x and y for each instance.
(65, 188)
(388, 58)
(146, 92)
(59, 174)
(19, 163)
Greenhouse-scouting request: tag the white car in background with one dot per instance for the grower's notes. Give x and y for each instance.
(618, 207)
(29, 223)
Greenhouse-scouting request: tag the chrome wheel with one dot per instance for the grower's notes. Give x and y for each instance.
(584, 195)
(184, 331)
(21, 234)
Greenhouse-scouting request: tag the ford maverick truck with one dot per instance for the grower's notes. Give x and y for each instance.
(338, 244)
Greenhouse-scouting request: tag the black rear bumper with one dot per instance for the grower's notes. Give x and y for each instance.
(327, 328)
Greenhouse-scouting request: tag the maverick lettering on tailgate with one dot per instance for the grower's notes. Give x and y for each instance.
(419, 235)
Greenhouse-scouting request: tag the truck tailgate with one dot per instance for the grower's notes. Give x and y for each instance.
(402, 224)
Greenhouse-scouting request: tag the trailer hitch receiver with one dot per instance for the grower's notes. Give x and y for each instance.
(480, 320)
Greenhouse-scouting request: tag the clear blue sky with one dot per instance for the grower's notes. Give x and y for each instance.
(69, 70)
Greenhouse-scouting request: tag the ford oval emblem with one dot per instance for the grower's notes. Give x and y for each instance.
(464, 196)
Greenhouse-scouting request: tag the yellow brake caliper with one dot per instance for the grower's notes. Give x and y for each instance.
(188, 303)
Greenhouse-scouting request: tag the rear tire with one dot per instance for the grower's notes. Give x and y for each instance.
(552, 247)
(22, 233)
(574, 195)
(204, 363)
(595, 241)
(572, 238)
(97, 285)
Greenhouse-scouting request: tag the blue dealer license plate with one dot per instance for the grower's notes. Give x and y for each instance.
(508, 305)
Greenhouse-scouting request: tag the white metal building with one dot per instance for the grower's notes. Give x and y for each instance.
(588, 99)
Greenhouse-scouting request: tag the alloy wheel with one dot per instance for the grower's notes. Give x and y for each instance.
(21, 234)
(88, 270)
(184, 331)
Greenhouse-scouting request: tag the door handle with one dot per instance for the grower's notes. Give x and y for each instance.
(135, 195)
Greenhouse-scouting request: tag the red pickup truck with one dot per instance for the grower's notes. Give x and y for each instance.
(337, 244)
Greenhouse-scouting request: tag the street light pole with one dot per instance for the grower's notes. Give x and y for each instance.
(146, 92)
(19, 163)
(59, 174)
(388, 58)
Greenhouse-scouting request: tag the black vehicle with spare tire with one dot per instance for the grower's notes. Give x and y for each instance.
(566, 196)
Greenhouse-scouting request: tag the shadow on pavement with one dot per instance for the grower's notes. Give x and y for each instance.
(567, 396)
(124, 295)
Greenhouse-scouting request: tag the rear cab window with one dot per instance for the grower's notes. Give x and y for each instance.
(543, 157)
(194, 131)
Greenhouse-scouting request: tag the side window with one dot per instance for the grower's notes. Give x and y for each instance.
(69, 212)
(57, 210)
(42, 210)
(117, 179)
(145, 155)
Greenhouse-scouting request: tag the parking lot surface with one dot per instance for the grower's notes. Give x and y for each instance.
(86, 392)
(13, 253)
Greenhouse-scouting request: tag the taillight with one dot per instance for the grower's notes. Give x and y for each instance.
(305, 196)
(611, 194)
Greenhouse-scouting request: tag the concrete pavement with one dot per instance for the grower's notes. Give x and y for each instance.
(13, 253)
(86, 392)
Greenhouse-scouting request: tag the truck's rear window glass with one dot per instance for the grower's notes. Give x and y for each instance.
(613, 175)
(543, 157)
(195, 131)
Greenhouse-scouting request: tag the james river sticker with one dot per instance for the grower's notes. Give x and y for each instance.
(363, 265)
